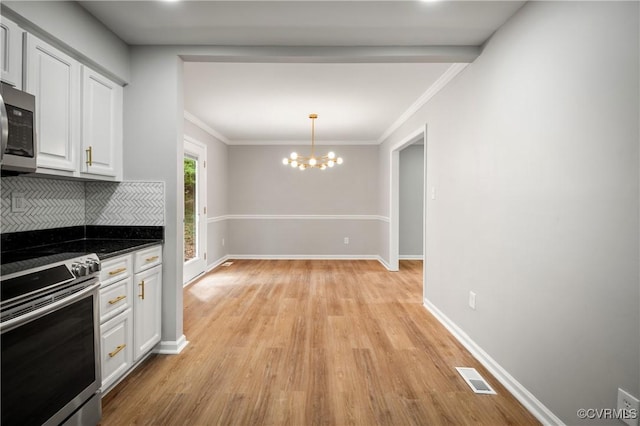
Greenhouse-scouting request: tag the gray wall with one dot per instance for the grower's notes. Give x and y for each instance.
(411, 201)
(75, 30)
(217, 187)
(263, 185)
(534, 154)
(153, 149)
(342, 201)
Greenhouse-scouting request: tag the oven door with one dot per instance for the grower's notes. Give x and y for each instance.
(50, 360)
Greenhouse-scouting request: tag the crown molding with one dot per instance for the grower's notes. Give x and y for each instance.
(438, 85)
(202, 125)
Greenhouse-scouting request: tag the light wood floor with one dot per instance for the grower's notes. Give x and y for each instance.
(306, 343)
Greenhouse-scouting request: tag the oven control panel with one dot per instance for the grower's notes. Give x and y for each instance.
(85, 267)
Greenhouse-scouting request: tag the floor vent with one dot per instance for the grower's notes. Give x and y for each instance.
(227, 264)
(475, 380)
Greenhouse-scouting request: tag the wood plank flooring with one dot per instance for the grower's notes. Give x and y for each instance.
(317, 342)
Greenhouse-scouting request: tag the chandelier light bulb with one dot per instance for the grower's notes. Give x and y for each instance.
(321, 162)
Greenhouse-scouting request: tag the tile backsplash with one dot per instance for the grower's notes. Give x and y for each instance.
(124, 204)
(53, 203)
(47, 204)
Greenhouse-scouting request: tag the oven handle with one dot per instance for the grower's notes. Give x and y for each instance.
(38, 313)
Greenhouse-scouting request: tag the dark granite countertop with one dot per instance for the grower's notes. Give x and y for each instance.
(22, 251)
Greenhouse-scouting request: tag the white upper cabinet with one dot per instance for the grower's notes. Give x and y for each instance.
(53, 77)
(101, 125)
(78, 115)
(11, 52)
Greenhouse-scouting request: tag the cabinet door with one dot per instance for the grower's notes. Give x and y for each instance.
(101, 125)
(53, 77)
(147, 310)
(116, 346)
(11, 52)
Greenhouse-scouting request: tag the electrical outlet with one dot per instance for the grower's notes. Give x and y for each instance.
(630, 407)
(223, 242)
(472, 300)
(18, 204)
(346, 240)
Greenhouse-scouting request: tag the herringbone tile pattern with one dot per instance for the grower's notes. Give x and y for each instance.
(125, 204)
(56, 203)
(49, 204)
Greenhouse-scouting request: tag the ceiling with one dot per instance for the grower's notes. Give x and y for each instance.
(262, 100)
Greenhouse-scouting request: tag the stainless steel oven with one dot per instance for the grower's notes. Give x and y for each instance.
(50, 360)
(18, 152)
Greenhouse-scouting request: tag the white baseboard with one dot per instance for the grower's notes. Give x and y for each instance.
(526, 398)
(217, 263)
(384, 263)
(171, 347)
(296, 257)
(303, 257)
(411, 257)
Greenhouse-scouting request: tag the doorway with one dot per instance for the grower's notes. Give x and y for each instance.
(418, 136)
(194, 209)
(411, 200)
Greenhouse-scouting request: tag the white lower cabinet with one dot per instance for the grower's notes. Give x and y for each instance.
(130, 311)
(116, 346)
(147, 310)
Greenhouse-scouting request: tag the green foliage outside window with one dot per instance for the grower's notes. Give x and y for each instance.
(189, 208)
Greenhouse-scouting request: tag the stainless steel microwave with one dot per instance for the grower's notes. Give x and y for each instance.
(18, 153)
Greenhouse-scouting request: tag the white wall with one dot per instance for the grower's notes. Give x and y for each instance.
(411, 201)
(533, 151)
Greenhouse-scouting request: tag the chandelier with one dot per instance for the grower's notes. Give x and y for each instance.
(322, 162)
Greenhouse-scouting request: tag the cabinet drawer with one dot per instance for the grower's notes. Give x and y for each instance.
(116, 343)
(147, 258)
(115, 269)
(115, 298)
